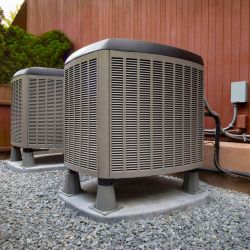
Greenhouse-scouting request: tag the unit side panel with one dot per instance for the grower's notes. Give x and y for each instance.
(58, 110)
(17, 112)
(103, 114)
(156, 114)
(80, 114)
(14, 116)
(25, 105)
(45, 112)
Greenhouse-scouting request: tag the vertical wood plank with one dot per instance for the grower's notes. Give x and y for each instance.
(179, 23)
(227, 46)
(158, 21)
(131, 19)
(235, 50)
(144, 20)
(173, 26)
(204, 40)
(139, 20)
(163, 21)
(191, 26)
(244, 47)
(244, 39)
(197, 27)
(218, 79)
(211, 53)
(134, 16)
(185, 25)
(148, 20)
(168, 22)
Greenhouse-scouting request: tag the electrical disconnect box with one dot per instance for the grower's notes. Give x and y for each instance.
(239, 92)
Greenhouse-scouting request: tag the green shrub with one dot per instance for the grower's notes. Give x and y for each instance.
(19, 49)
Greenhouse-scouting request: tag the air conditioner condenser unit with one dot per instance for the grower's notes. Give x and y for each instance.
(36, 112)
(132, 109)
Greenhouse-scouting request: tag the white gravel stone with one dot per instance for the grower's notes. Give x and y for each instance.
(33, 217)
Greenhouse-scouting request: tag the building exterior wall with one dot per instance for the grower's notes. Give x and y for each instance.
(21, 17)
(218, 30)
(5, 102)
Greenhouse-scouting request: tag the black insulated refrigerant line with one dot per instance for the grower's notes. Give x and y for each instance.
(216, 117)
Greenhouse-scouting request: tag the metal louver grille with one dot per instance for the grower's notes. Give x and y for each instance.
(58, 112)
(178, 121)
(194, 124)
(16, 112)
(45, 112)
(200, 116)
(169, 115)
(187, 115)
(156, 114)
(117, 115)
(144, 111)
(130, 143)
(81, 115)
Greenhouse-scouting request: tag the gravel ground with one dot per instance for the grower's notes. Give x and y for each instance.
(33, 217)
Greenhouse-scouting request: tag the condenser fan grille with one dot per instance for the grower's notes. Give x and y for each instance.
(45, 112)
(156, 114)
(16, 112)
(81, 115)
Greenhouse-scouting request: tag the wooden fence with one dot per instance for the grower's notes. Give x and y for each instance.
(5, 102)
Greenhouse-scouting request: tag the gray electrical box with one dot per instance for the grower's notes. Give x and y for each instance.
(239, 92)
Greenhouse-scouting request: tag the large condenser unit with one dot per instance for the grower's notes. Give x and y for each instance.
(133, 109)
(36, 112)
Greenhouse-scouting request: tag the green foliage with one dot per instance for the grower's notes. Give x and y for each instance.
(1, 15)
(19, 50)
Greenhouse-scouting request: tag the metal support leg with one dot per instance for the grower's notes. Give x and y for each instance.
(72, 183)
(191, 182)
(105, 197)
(15, 154)
(28, 157)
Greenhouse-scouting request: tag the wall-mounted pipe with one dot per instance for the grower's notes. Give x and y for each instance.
(226, 131)
(242, 137)
(216, 117)
(230, 125)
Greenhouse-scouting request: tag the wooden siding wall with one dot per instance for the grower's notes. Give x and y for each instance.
(5, 102)
(21, 17)
(218, 30)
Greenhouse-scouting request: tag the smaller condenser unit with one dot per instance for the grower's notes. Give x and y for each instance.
(133, 109)
(37, 109)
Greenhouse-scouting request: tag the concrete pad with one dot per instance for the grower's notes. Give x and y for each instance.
(138, 198)
(43, 162)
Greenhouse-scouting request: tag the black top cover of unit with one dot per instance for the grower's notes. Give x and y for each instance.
(136, 46)
(40, 71)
